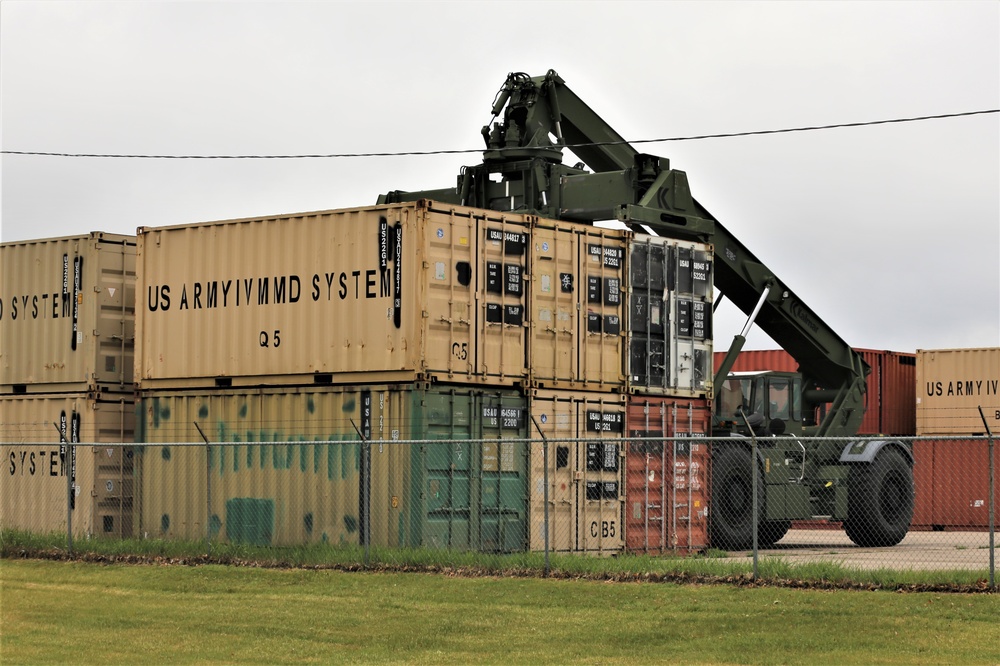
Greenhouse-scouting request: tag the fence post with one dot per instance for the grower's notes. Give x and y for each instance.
(753, 484)
(366, 480)
(66, 452)
(992, 500)
(208, 490)
(70, 453)
(545, 482)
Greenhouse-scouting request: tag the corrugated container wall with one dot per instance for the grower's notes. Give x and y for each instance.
(67, 313)
(670, 316)
(432, 494)
(388, 293)
(952, 385)
(577, 284)
(923, 484)
(889, 407)
(33, 490)
(959, 491)
(667, 481)
(586, 473)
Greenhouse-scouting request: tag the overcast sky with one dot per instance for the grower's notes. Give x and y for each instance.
(890, 233)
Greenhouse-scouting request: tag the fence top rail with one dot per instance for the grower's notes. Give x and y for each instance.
(507, 440)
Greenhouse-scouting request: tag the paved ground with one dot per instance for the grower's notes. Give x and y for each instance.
(919, 550)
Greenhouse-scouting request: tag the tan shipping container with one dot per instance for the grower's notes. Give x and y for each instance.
(67, 313)
(387, 293)
(952, 385)
(576, 305)
(34, 487)
(669, 317)
(298, 477)
(585, 472)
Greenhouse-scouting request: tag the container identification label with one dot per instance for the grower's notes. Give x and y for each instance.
(605, 421)
(506, 418)
(514, 243)
(612, 256)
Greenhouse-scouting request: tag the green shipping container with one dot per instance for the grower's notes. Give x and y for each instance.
(285, 466)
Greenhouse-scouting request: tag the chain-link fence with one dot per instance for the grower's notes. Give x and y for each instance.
(905, 504)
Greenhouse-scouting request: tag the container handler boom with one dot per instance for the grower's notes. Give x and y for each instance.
(868, 483)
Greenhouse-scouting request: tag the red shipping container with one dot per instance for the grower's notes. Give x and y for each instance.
(960, 484)
(889, 402)
(923, 485)
(667, 482)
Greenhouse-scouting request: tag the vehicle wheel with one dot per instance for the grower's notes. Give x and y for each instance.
(769, 532)
(880, 500)
(732, 498)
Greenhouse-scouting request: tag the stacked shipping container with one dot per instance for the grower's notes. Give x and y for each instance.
(66, 349)
(668, 362)
(394, 323)
(952, 385)
(444, 298)
(409, 306)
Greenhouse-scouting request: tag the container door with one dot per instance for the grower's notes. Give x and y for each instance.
(450, 295)
(556, 418)
(602, 266)
(601, 469)
(447, 472)
(690, 488)
(693, 352)
(650, 265)
(555, 295)
(647, 473)
(502, 349)
(503, 497)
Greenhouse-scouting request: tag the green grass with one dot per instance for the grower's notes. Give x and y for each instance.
(83, 613)
(712, 566)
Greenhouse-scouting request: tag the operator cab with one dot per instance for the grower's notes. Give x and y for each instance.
(771, 401)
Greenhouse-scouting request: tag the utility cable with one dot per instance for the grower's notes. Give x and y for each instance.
(571, 146)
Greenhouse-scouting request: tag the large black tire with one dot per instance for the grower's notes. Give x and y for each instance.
(880, 500)
(770, 532)
(731, 521)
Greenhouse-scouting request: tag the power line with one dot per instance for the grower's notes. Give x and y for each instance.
(696, 137)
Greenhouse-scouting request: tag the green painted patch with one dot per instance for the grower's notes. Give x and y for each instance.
(250, 521)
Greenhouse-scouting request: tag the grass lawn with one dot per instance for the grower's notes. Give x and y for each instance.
(73, 612)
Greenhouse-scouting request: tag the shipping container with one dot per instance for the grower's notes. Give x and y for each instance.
(67, 314)
(584, 474)
(889, 406)
(34, 491)
(952, 386)
(577, 285)
(951, 479)
(670, 316)
(406, 292)
(667, 482)
(305, 484)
